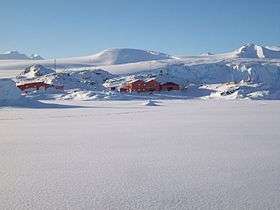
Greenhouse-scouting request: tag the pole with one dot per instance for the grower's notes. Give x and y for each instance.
(55, 64)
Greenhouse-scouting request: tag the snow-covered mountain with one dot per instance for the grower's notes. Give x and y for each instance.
(142, 59)
(253, 51)
(105, 58)
(124, 55)
(256, 51)
(36, 57)
(111, 57)
(35, 71)
(15, 55)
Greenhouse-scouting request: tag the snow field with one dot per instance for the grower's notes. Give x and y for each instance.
(125, 155)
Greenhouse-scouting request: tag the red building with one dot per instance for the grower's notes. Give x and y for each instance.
(37, 86)
(33, 85)
(152, 85)
(168, 86)
(135, 85)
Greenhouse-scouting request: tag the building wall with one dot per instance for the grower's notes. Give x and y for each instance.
(152, 85)
(35, 85)
(169, 86)
(38, 85)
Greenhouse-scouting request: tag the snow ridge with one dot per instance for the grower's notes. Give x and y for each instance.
(257, 51)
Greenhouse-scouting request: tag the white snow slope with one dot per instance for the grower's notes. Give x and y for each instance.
(8, 90)
(35, 71)
(124, 155)
(121, 56)
(106, 57)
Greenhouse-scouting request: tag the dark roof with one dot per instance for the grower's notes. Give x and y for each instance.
(169, 83)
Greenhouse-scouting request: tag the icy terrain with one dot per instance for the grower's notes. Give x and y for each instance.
(125, 155)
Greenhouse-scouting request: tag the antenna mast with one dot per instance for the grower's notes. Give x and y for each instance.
(54, 64)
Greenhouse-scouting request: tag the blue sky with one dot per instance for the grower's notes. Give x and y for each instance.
(57, 28)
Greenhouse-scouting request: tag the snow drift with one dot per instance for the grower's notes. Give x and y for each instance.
(8, 90)
(150, 103)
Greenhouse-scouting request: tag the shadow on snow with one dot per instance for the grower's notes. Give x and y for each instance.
(29, 103)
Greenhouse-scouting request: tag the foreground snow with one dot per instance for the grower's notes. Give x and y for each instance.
(125, 155)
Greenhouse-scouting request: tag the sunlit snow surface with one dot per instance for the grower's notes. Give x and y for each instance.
(123, 155)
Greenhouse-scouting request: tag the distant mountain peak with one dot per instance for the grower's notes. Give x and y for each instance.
(13, 55)
(207, 54)
(12, 52)
(36, 57)
(249, 51)
(128, 55)
(252, 50)
(16, 55)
